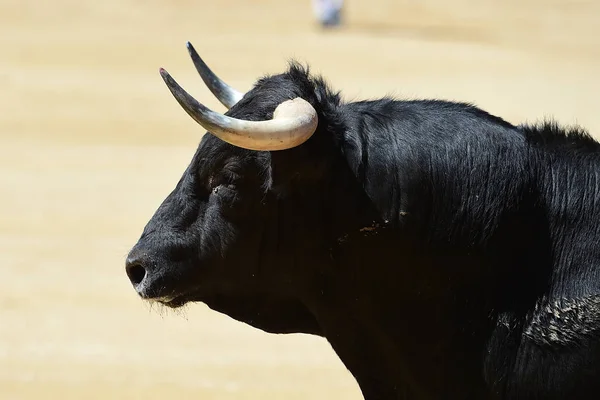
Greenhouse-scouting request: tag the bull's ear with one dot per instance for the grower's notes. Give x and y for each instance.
(313, 162)
(320, 184)
(303, 167)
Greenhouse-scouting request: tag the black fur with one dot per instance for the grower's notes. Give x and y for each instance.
(443, 252)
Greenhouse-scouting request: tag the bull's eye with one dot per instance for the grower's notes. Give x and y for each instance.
(222, 189)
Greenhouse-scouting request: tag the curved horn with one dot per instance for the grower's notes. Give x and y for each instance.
(294, 122)
(227, 95)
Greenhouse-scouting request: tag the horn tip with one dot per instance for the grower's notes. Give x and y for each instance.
(189, 46)
(163, 72)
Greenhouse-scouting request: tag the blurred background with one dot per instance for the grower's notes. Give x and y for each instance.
(92, 142)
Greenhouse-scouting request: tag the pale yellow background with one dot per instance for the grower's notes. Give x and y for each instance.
(91, 141)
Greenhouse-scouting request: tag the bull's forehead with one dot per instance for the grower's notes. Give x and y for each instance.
(214, 156)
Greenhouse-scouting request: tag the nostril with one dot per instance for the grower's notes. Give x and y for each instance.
(136, 273)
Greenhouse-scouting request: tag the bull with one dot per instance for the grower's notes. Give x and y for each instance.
(443, 252)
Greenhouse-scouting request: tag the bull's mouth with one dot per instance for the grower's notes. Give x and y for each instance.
(173, 303)
(177, 301)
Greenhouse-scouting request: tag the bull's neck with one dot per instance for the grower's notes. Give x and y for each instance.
(569, 192)
(455, 194)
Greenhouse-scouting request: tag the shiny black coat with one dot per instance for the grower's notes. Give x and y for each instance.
(443, 252)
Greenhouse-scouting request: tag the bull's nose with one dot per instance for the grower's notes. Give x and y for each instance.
(136, 267)
(135, 271)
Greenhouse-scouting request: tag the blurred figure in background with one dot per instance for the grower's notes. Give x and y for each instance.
(328, 12)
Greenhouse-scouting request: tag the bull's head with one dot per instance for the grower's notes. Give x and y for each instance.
(245, 223)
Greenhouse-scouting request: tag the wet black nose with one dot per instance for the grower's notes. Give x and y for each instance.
(137, 267)
(135, 271)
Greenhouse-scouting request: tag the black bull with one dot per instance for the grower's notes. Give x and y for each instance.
(443, 252)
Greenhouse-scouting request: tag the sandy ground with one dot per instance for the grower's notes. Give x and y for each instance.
(91, 142)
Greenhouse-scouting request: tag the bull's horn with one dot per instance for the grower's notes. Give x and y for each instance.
(294, 122)
(227, 95)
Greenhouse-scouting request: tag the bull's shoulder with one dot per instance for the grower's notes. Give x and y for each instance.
(557, 342)
(564, 321)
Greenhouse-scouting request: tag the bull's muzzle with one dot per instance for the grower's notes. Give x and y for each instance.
(142, 272)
